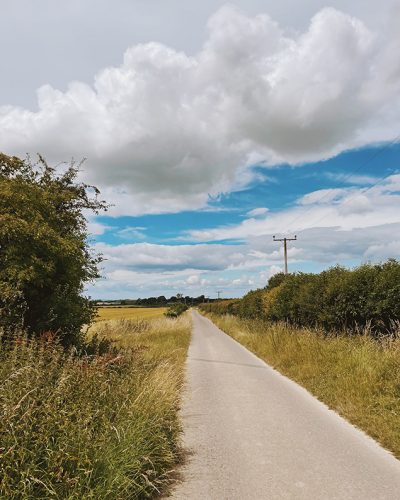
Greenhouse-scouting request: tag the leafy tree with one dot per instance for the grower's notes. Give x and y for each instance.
(45, 259)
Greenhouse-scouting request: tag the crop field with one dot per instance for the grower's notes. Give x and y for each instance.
(108, 313)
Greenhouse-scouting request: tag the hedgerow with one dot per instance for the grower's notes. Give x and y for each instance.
(336, 299)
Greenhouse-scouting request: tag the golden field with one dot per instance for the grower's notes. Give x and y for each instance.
(108, 313)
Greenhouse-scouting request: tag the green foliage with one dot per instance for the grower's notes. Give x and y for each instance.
(221, 306)
(276, 280)
(45, 259)
(336, 299)
(176, 310)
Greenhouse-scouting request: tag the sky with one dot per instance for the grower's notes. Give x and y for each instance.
(210, 128)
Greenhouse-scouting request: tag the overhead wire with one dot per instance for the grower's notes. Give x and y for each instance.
(328, 192)
(363, 191)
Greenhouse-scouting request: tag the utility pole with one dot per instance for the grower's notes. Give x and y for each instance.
(219, 293)
(285, 240)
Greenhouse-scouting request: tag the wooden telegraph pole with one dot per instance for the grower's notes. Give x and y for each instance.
(285, 240)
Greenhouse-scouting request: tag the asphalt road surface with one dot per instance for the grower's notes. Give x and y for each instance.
(251, 433)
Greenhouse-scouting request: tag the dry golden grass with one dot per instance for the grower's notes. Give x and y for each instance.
(159, 337)
(107, 313)
(93, 427)
(357, 376)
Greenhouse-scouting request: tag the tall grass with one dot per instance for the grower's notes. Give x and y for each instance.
(356, 375)
(92, 427)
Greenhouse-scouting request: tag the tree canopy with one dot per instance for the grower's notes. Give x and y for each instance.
(45, 258)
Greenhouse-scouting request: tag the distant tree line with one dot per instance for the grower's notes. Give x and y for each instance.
(160, 301)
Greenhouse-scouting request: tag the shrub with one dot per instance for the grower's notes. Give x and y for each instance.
(176, 310)
(251, 306)
(221, 306)
(45, 259)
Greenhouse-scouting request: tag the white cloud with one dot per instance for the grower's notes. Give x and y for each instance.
(129, 233)
(140, 268)
(96, 228)
(194, 279)
(352, 179)
(345, 209)
(322, 196)
(154, 258)
(256, 212)
(383, 250)
(165, 130)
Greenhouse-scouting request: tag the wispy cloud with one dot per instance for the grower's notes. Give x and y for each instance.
(132, 233)
(361, 180)
(256, 212)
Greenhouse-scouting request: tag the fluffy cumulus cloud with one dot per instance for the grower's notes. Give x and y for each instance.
(163, 131)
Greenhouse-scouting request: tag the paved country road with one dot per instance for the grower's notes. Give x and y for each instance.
(253, 434)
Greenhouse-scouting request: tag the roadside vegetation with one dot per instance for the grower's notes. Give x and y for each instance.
(102, 425)
(45, 257)
(337, 299)
(336, 333)
(88, 411)
(176, 310)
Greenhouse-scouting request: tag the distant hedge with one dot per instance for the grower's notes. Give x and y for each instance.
(336, 299)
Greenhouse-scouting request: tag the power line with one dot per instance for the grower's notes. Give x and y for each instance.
(343, 180)
(365, 190)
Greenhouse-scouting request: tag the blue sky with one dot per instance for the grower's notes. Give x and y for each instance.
(279, 190)
(275, 189)
(211, 129)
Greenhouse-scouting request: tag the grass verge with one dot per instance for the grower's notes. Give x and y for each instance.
(357, 376)
(98, 427)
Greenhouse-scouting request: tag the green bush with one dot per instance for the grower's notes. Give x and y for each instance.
(176, 310)
(221, 306)
(45, 259)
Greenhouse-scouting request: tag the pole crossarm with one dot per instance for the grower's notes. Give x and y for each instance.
(285, 239)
